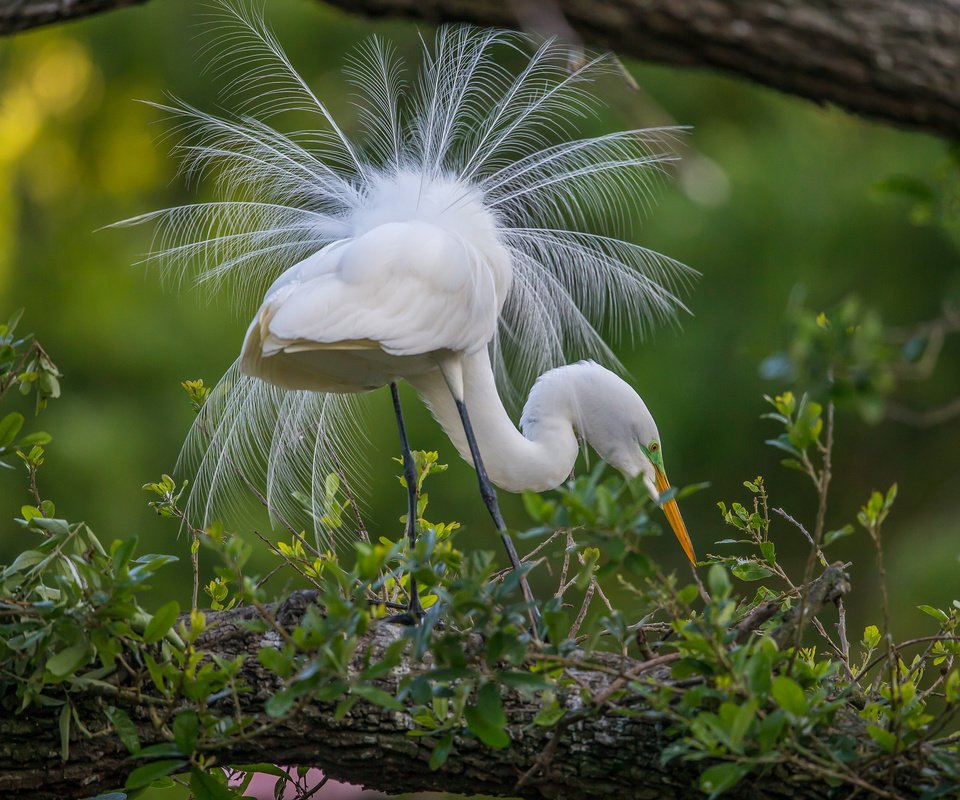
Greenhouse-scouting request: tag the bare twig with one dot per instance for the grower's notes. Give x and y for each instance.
(601, 697)
(822, 482)
(584, 606)
(806, 534)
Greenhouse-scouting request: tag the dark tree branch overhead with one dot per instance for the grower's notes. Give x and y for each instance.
(892, 60)
(19, 15)
(598, 751)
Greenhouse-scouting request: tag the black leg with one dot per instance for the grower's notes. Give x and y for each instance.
(489, 496)
(414, 611)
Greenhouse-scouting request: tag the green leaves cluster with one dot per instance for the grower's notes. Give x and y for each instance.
(847, 355)
(24, 364)
(741, 699)
(77, 611)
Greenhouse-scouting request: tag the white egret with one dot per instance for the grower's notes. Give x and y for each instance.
(454, 232)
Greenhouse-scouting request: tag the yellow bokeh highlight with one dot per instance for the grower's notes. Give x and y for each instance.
(43, 88)
(60, 75)
(20, 122)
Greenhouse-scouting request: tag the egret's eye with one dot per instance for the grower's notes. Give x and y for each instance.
(654, 446)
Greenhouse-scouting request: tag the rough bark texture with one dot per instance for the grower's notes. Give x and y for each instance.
(600, 754)
(893, 60)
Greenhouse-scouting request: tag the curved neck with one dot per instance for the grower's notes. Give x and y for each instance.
(539, 460)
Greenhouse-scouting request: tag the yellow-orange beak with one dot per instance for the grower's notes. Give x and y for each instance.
(673, 515)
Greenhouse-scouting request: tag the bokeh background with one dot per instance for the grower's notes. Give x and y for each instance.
(775, 194)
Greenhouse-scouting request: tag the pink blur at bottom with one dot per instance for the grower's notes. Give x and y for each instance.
(262, 787)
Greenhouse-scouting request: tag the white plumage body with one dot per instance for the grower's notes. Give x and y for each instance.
(454, 246)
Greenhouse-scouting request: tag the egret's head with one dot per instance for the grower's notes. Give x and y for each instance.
(641, 454)
(608, 413)
(613, 418)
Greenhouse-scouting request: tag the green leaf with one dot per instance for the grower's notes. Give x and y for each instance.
(718, 581)
(742, 720)
(161, 622)
(10, 426)
(782, 442)
(758, 673)
(377, 696)
(486, 719)
(344, 707)
(951, 687)
(11, 326)
(121, 551)
(266, 769)
(717, 779)
(549, 715)
(769, 731)
(160, 750)
(558, 623)
(280, 703)
(936, 613)
(751, 571)
(769, 552)
(31, 439)
(65, 714)
(125, 729)
(23, 562)
(145, 775)
(886, 740)
(205, 787)
(441, 751)
(871, 636)
(186, 729)
(523, 680)
(831, 536)
(69, 660)
(789, 695)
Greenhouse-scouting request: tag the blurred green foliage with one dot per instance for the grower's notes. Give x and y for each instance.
(773, 192)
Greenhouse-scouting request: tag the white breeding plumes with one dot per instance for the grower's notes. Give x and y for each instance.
(465, 176)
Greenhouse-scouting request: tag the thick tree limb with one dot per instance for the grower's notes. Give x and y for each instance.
(893, 60)
(598, 752)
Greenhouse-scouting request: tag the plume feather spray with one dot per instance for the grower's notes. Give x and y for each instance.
(483, 151)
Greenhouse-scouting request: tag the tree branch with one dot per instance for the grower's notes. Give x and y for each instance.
(20, 15)
(893, 60)
(597, 751)
(897, 61)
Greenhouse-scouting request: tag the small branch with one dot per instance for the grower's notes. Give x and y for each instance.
(804, 531)
(584, 606)
(828, 588)
(754, 619)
